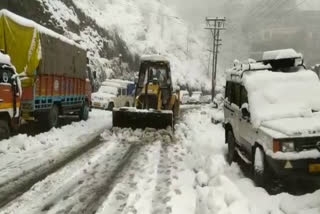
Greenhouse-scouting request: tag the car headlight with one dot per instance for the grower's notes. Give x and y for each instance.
(288, 147)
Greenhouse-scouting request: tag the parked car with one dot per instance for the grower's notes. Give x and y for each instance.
(195, 97)
(205, 99)
(272, 118)
(184, 96)
(112, 95)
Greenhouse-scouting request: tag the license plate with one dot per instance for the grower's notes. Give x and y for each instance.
(313, 168)
(96, 104)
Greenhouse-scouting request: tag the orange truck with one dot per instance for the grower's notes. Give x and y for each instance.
(42, 75)
(10, 97)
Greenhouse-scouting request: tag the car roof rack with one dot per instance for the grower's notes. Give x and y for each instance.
(236, 73)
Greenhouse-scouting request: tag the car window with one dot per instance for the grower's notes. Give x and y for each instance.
(124, 92)
(244, 96)
(119, 91)
(229, 91)
(233, 93)
(237, 94)
(5, 76)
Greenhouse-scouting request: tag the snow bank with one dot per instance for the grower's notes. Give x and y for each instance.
(56, 137)
(222, 188)
(276, 95)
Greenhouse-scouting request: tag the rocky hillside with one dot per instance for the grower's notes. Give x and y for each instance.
(116, 33)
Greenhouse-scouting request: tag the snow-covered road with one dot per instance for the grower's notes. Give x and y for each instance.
(125, 171)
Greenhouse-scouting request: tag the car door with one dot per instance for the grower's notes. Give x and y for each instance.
(232, 109)
(246, 130)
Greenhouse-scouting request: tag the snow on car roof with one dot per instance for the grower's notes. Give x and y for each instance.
(280, 54)
(235, 73)
(154, 58)
(29, 23)
(5, 59)
(277, 95)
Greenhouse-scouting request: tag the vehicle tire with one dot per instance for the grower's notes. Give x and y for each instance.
(127, 104)
(4, 130)
(84, 112)
(53, 117)
(110, 106)
(232, 155)
(259, 166)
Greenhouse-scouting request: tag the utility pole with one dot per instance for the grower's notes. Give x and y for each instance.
(215, 25)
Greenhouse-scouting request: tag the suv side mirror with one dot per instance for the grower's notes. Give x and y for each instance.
(245, 112)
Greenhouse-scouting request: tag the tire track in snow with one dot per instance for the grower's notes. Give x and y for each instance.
(161, 195)
(134, 185)
(70, 189)
(24, 179)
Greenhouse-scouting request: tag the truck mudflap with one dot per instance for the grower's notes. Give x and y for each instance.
(140, 119)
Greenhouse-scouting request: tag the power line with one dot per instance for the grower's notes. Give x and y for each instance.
(215, 25)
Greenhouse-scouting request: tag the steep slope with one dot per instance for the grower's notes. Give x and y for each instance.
(116, 33)
(151, 27)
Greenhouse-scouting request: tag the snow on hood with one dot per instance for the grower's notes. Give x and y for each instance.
(277, 95)
(5, 59)
(295, 126)
(102, 95)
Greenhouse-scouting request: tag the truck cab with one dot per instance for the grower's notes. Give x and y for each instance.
(10, 94)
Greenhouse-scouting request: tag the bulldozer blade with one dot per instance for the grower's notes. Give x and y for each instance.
(141, 119)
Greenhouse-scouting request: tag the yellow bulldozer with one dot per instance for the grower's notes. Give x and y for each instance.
(157, 105)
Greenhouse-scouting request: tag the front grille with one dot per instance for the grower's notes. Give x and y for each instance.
(306, 144)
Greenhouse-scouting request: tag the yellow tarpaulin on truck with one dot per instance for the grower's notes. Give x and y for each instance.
(21, 43)
(36, 50)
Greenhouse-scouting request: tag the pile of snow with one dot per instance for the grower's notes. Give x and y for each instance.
(276, 95)
(72, 135)
(222, 188)
(5, 59)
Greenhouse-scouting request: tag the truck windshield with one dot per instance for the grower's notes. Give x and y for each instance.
(158, 73)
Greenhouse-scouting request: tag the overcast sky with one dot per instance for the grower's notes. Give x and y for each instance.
(195, 11)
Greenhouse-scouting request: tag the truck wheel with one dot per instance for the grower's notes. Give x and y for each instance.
(84, 112)
(259, 168)
(232, 153)
(53, 117)
(110, 106)
(4, 130)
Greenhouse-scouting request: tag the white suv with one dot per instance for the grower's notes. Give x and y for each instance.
(272, 117)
